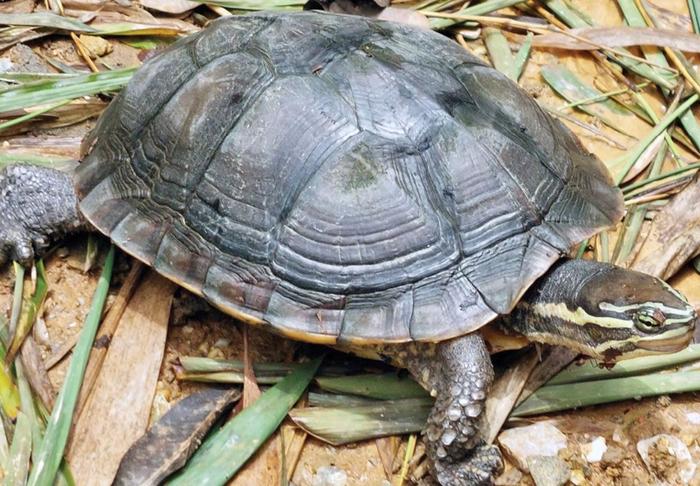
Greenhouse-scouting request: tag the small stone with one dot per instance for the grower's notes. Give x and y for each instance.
(222, 343)
(577, 477)
(96, 46)
(594, 450)
(329, 476)
(693, 418)
(540, 439)
(548, 470)
(613, 456)
(511, 477)
(667, 457)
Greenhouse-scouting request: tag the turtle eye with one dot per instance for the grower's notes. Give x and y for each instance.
(649, 320)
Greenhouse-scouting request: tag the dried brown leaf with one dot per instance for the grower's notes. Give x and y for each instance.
(674, 236)
(620, 37)
(170, 6)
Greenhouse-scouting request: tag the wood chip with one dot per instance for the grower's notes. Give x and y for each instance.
(117, 410)
(505, 392)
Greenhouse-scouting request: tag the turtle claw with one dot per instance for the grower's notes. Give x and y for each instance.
(479, 468)
(16, 246)
(37, 206)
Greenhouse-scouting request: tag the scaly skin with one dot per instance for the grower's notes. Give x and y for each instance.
(459, 374)
(38, 206)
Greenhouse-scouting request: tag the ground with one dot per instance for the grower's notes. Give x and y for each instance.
(198, 330)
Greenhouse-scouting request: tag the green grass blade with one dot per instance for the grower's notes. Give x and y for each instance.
(28, 408)
(383, 387)
(20, 451)
(4, 448)
(628, 160)
(564, 397)
(522, 56)
(629, 191)
(51, 448)
(224, 452)
(590, 370)
(499, 52)
(482, 8)
(16, 297)
(196, 364)
(9, 396)
(694, 7)
(343, 425)
(56, 90)
(30, 309)
(31, 115)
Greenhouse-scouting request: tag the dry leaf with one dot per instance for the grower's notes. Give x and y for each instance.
(620, 37)
(171, 441)
(170, 6)
(674, 236)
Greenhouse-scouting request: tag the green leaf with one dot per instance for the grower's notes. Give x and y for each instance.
(65, 88)
(342, 425)
(591, 370)
(30, 309)
(224, 452)
(20, 451)
(51, 448)
(383, 387)
(564, 397)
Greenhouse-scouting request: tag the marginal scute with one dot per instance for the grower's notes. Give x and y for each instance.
(331, 178)
(447, 297)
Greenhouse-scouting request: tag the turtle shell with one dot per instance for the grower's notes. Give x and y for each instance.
(340, 179)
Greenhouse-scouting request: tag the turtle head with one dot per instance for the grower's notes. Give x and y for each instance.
(606, 312)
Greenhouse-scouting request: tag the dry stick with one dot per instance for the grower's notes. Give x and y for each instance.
(105, 333)
(83, 53)
(36, 374)
(669, 52)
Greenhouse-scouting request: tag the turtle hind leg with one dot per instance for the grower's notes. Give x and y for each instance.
(458, 373)
(37, 206)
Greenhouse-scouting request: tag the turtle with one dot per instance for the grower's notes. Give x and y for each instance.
(359, 184)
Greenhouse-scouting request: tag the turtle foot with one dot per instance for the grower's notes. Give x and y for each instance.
(479, 468)
(37, 206)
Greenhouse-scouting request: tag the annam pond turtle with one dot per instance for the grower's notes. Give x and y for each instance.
(357, 183)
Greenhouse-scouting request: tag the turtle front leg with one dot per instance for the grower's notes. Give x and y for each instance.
(37, 207)
(458, 373)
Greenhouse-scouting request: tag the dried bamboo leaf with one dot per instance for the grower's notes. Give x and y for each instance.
(674, 236)
(620, 36)
(45, 19)
(385, 418)
(30, 310)
(171, 441)
(170, 6)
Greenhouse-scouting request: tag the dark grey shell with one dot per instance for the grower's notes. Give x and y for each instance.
(340, 179)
